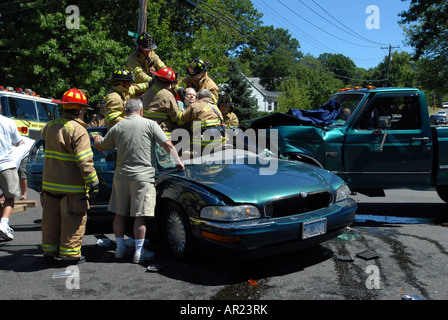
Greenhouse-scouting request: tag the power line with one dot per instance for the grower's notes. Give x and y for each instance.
(26, 8)
(311, 39)
(354, 33)
(268, 45)
(271, 10)
(356, 44)
(276, 15)
(12, 3)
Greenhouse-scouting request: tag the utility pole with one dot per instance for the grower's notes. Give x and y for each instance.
(389, 59)
(142, 16)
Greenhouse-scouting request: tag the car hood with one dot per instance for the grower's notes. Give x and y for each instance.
(245, 183)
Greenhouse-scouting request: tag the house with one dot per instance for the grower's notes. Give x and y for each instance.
(266, 100)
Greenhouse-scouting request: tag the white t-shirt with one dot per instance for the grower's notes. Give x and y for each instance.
(8, 135)
(22, 150)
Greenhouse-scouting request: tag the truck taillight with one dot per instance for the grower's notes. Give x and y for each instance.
(23, 130)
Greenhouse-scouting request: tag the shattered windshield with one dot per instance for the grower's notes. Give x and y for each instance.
(349, 102)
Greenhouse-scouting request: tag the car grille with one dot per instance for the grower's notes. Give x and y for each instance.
(297, 204)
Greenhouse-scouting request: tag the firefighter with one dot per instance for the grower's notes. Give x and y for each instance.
(159, 102)
(68, 180)
(198, 78)
(144, 59)
(225, 104)
(98, 119)
(121, 92)
(204, 115)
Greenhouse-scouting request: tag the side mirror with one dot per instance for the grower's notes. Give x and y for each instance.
(384, 122)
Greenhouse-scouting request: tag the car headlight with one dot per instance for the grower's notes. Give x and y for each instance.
(342, 193)
(230, 213)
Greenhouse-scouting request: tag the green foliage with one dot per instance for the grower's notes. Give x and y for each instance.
(338, 64)
(294, 96)
(238, 88)
(38, 51)
(426, 28)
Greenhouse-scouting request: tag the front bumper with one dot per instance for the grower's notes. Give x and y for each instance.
(266, 237)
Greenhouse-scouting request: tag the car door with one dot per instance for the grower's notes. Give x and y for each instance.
(389, 145)
(104, 162)
(35, 165)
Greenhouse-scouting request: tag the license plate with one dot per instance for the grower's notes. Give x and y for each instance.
(314, 228)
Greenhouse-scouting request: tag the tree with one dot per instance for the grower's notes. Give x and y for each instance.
(338, 64)
(40, 52)
(45, 53)
(238, 88)
(426, 28)
(294, 96)
(318, 84)
(272, 57)
(402, 70)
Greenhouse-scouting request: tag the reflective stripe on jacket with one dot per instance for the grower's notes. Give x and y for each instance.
(202, 115)
(141, 66)
(160, 105)
(68, 160)
(116, 100)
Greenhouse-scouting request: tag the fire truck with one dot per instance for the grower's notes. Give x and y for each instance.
(29, 111)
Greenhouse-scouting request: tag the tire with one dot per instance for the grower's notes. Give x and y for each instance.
(442, 191)
(178, 233)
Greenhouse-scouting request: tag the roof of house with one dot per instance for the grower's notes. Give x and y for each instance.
(255, 81)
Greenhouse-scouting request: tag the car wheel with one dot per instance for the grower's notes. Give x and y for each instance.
(177, 231)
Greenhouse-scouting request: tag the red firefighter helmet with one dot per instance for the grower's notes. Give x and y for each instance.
(166, 74)
(73, 99)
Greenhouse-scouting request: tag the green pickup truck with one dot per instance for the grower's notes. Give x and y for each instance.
(381, 138)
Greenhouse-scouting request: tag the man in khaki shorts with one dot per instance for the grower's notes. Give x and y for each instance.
(9, 180)
(133, 191)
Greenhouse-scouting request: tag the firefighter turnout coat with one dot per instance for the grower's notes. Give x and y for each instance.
(204, 83)
(160, 105)
(203, 115)
(116, 101)
(68, 172)
(141, 65)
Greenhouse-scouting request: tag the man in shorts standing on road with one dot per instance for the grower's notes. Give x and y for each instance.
(9, 180)
(133, 191)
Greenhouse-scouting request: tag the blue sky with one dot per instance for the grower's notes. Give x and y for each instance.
(349, 27)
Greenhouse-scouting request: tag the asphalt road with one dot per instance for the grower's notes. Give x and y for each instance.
(407, 231)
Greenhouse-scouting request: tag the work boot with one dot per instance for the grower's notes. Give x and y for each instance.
(68, 260)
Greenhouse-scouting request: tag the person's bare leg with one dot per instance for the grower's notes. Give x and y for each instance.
(23, 188)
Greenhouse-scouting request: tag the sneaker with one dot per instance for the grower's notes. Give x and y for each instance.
(6, 231)
(144, 255)
(120, 252)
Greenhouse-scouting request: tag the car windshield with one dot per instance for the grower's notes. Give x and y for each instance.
(47, 111)
(31, 110)
(349, 102)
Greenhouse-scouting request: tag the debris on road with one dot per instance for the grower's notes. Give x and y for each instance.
(367, 255)
(412, 297)
(344, 258)
(154, 268)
